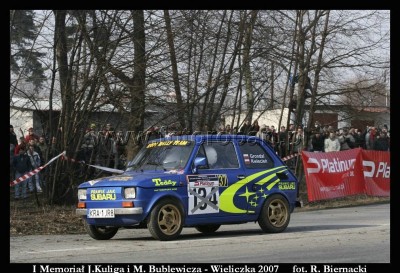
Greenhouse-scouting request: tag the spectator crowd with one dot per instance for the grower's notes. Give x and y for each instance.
(106, 147)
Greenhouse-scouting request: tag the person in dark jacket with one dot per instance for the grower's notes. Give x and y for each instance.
(382, 142)
(22, 165)
(13, 144)
(318, 142)
(12, 171)
(244, 130)
(21, 144)
(13, 136)
(254, 128)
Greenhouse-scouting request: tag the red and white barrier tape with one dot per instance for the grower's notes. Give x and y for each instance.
(111, 170)
(35, 171)
(63, 157)
(290, 156)
(94, 166)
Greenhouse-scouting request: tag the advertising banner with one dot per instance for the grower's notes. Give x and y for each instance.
(351, 172)
(376, 166)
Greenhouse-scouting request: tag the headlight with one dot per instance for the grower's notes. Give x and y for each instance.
(130, 193)
(82, 194)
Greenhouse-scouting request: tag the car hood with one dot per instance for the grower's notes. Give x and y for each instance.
(140, 179)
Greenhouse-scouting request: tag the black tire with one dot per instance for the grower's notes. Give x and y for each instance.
(165, 221)
(207, 229)
(100, 232)
(275, 215)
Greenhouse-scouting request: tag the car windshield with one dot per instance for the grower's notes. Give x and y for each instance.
(162, 155)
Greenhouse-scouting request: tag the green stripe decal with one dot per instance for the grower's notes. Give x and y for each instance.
(227, 196)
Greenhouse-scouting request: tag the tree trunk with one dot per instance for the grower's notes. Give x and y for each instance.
(137, 89)
(64, 130)
(246, 66)
(175, 75)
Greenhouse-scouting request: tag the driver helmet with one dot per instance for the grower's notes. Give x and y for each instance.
(211, 154)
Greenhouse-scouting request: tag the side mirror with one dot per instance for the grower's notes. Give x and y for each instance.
(199, 162)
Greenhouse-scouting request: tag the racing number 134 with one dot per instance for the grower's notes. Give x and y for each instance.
(206, 199)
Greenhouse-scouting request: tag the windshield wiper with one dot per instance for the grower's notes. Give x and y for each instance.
(153, 163)
(133, 166)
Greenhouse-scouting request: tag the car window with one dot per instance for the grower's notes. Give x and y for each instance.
(255, 157)
(220, 155)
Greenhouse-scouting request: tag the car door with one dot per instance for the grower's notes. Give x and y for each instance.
(212, 190)
(263, 172)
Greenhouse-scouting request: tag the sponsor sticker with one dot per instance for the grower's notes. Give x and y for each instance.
(103, 194)
(168, 143)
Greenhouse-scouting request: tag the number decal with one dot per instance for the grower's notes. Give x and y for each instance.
(203, 200)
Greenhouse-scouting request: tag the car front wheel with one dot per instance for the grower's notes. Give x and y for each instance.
(166, 220)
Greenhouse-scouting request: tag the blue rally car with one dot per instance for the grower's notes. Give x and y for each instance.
(201, 181)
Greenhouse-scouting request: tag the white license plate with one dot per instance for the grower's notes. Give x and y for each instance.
(101, 213)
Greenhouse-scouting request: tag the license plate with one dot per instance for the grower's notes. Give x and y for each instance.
(101, 213)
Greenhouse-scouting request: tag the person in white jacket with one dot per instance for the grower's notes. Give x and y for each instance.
(332, 143)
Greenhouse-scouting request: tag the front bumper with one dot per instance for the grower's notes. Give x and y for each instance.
(118, 211)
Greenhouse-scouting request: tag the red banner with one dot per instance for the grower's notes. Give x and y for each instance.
(338, 174)
(376, 166)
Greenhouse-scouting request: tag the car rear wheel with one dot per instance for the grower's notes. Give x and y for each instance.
(207, 229)
(100, 232)
(166, 220)
(275, 215)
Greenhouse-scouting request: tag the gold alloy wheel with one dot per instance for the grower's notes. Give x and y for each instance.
(278, 213)
(169, 219)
